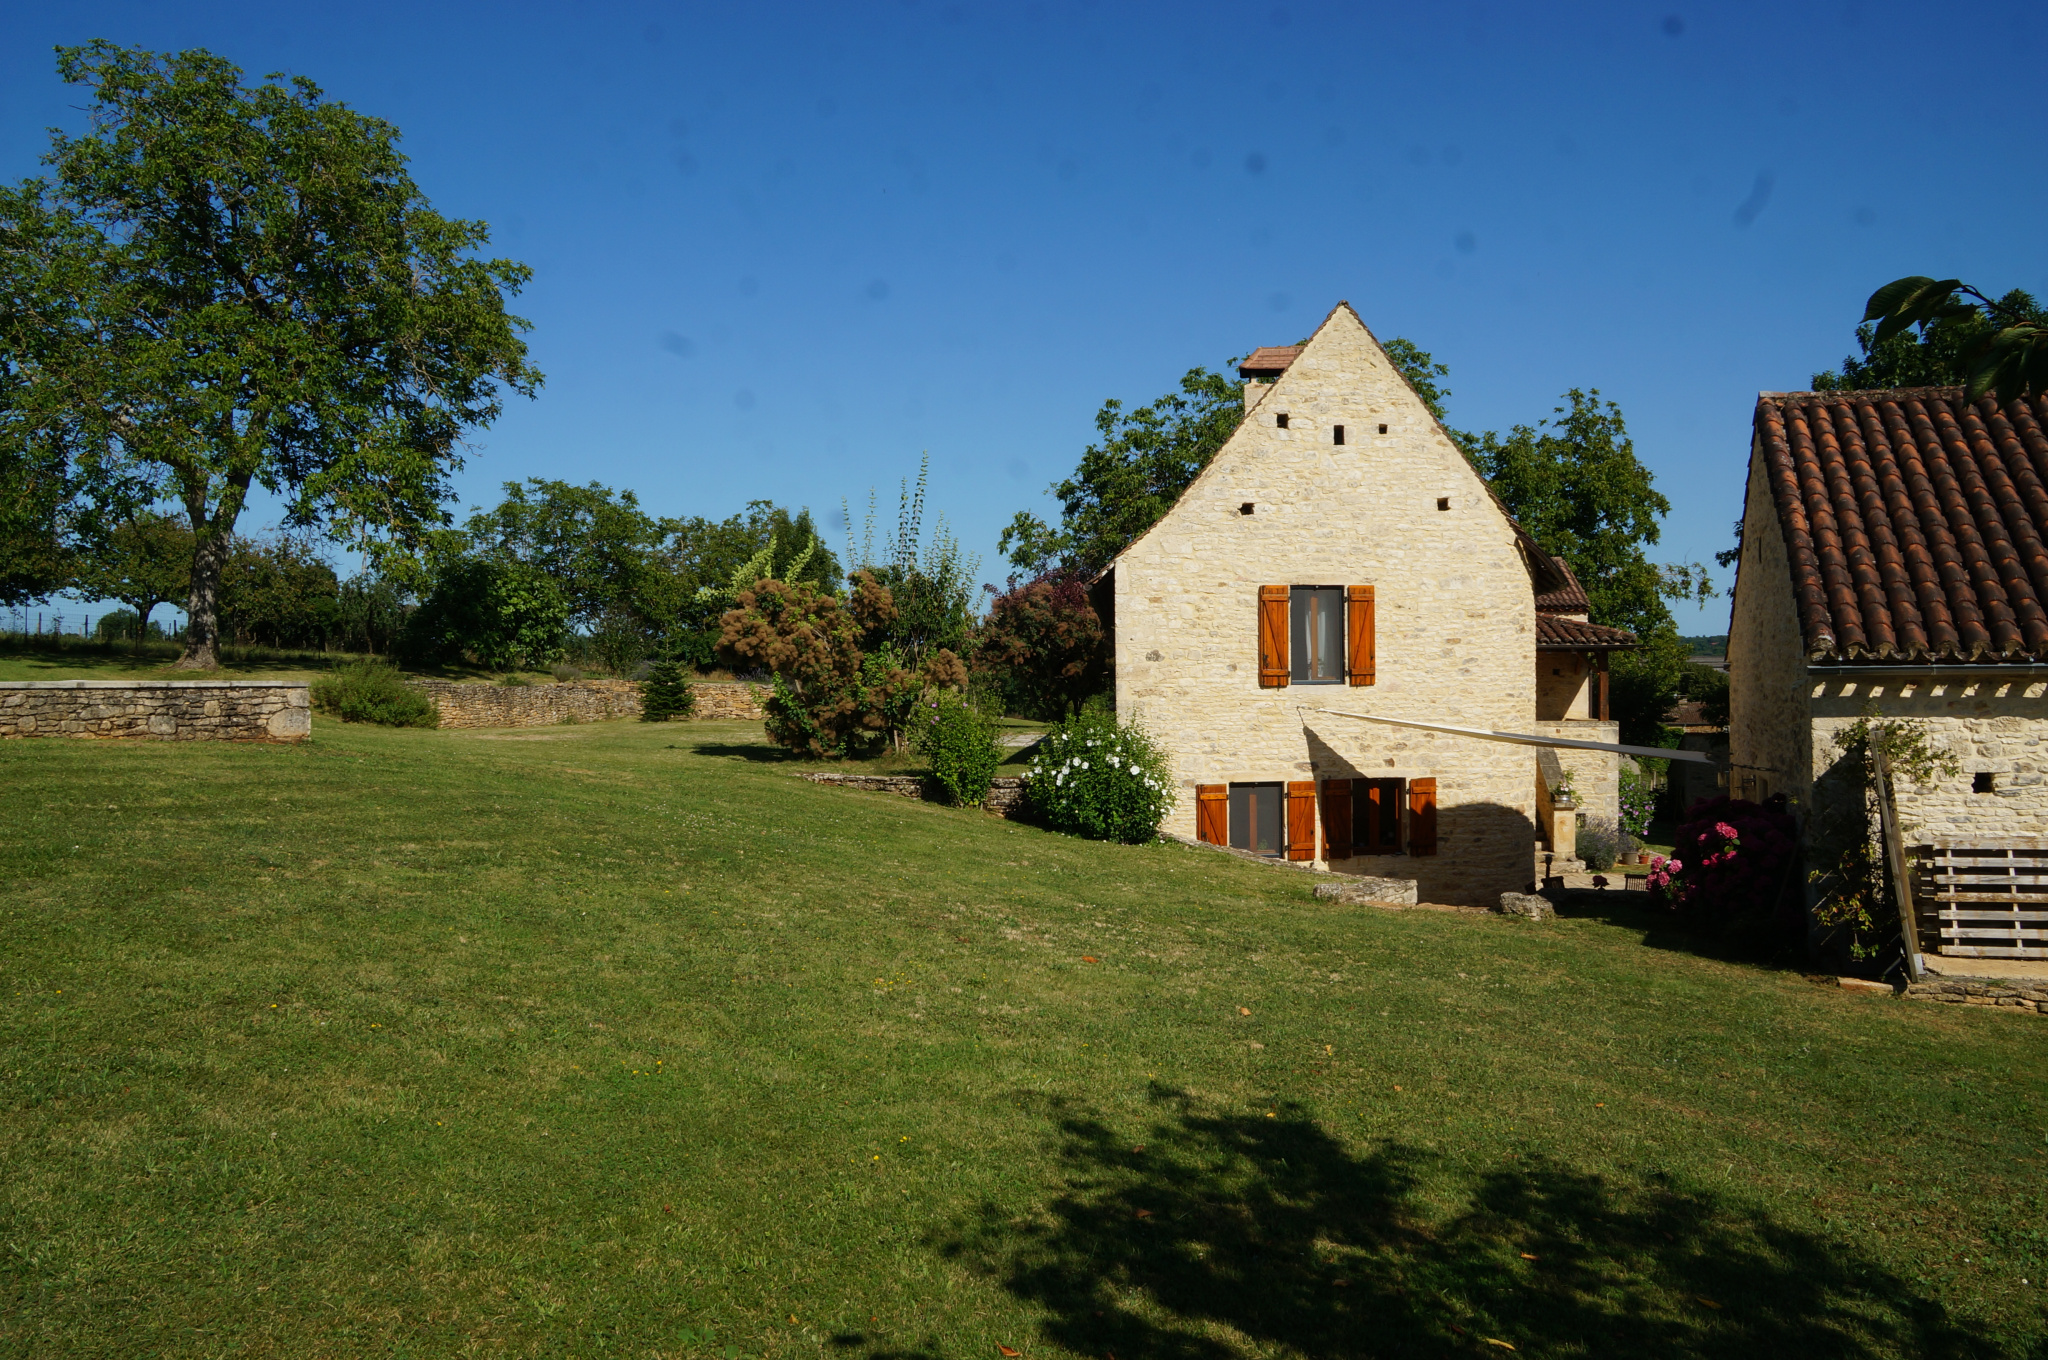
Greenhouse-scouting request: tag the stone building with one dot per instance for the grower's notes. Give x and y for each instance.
(1895, 561)
(1340, 555)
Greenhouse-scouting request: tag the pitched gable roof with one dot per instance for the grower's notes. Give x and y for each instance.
(1915, 522)
(1561, 623)
(1569, 598)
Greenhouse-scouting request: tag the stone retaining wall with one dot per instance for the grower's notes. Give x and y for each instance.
(1005, 792)
(2026, 994)
(531, 705)
(157, 710)
(577, 701)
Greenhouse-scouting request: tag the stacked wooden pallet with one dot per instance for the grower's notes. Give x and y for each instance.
(1985, 899)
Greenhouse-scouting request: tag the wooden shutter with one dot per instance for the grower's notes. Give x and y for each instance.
(1362, 654)
(1273, 637)
(1212, 814)
(1422, 816)
(1301, 819)
(1336, 819)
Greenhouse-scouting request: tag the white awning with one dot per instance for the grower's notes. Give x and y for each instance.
(1519, 738)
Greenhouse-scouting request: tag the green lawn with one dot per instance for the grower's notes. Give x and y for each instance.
(618, 1040)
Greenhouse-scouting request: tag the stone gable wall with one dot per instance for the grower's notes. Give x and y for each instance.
(1455, 628)
(157, 710)
(479, 705)
(1770, 734)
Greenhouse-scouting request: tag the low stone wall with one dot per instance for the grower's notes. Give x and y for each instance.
(1005, 792)
(157, 710)
(729, 702)
(531, 705)
(2024, 994)
(577, 701)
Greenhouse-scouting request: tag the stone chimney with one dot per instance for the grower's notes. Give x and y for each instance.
(1262, 367)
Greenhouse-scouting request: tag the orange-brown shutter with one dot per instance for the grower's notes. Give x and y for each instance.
(1336, 819)
(1422, 816)
(1212, 814)
(1363, 653)
(1273, 637)
(1301, 819)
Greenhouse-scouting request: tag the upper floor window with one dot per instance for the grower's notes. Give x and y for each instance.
(1317, 627)
(1316, 635)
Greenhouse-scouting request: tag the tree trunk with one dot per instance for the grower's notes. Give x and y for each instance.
(212, 537)
(202, 627)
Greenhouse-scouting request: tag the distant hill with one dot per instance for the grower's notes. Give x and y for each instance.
(1707, 646)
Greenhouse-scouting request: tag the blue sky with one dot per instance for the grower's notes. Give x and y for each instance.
(782, 251)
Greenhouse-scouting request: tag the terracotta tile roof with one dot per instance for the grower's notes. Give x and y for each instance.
(1567, 599)
(1915, 522)
(1268, 360)
(1556, 634)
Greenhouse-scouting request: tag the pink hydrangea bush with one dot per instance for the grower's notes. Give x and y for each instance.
(1732, 871)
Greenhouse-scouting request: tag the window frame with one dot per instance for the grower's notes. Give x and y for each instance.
(1366, 810)
(1250, 791)
(1302, 645)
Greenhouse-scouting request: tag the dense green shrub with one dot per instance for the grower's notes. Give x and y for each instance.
(502, 615)
(374, 693)
(666, 693)
(959, 742)
(1101, 778)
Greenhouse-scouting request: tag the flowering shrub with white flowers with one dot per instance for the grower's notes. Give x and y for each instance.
(1100, 778)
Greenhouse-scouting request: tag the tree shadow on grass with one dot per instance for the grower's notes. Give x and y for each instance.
(1234, 1234)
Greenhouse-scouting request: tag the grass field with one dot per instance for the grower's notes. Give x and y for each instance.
(617, 1040)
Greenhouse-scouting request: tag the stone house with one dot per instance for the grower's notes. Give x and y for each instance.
(1895, 560)
(1340, 555)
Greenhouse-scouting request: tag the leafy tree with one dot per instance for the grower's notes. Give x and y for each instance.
(503, 615)
(222, 286)
(831, 697)
(701, 559)
(1147, 458)
(35, 556)
(1927, 335)
(1575, 484)
(596, 545)
(1047, 643)
(279, 593)
(370, 613)
(144, 562)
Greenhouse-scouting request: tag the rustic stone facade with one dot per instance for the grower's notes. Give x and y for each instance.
(157, 710)
(1771, 747)
(578, 701)
(1395, 506)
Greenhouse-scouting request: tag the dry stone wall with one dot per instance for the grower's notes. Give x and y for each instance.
(157, 710)
(1770, 733)
(579, 701)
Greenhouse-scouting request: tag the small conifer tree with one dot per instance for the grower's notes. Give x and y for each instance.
(666, 693)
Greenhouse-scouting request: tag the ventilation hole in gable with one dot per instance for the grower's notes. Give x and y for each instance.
(1336, 434)
(1980, 782)
(1443, 502)
(1383, 429)
(1245, 509)
(1281, 420)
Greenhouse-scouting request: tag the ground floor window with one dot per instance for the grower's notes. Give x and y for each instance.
(1255, 818)
(1376, 806)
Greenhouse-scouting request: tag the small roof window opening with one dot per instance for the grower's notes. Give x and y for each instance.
(1280, 420)
(1336, 434)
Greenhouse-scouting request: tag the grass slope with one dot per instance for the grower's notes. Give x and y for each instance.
(616, 1039)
